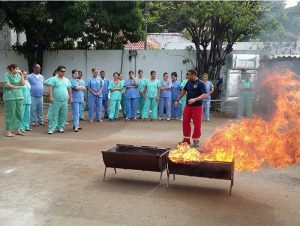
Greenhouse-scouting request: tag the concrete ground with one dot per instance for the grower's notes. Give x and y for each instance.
(57, 180)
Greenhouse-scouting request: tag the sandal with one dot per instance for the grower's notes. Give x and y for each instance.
(20, 134)
(10, 135)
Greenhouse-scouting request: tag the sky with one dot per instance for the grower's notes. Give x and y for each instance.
(291, 3)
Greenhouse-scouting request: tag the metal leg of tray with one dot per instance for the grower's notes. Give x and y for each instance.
(173, 176)
(168, 176)
(160, 178)
(115, 170)
(231, 184)
(104, 174)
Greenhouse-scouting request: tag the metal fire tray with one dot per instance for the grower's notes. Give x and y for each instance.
(207, 169)
(132, 157)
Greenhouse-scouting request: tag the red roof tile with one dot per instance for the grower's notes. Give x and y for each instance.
(151, 43)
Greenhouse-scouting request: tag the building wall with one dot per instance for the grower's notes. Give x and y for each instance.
(108, 60)
(10, 56)
(112, 60)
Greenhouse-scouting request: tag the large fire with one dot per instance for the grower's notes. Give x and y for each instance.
(256, 142)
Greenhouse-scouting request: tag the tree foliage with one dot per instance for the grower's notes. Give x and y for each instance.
(292, 23)
(112, 24)
(158, 17)
(47, 25)
(289, 18)
(52, 25)
(215, 26)
(2, 17)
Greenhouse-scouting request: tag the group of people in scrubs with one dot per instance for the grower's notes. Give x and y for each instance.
(134, 95)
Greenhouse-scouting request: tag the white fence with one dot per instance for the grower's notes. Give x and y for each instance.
(108, 60)
(8, 57)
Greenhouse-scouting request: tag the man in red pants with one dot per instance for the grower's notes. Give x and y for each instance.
(196, 92)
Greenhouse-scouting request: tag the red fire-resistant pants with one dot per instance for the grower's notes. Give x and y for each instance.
(194, 113)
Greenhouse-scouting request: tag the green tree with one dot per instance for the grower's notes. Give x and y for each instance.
(289, 18)
(214, 27)
(2, 17)
(47, 25)
(112, 24)
(158, 18)
(291, 22)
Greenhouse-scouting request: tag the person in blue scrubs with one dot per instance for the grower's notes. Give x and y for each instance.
(81, 113)
(36, 81)
(165, 97)
(95, 88)
(105, 94)
(78, 88)
(131, 97)
(209, 87)
(175, 91)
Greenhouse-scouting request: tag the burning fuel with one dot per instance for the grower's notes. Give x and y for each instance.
(256, 142)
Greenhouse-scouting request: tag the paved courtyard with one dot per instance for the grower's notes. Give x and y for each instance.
(57, 180)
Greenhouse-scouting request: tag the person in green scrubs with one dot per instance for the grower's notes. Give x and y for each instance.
(13, 99)
(141, 86)
(60, 93)
(246, 96)
(183, 99)
(123, 105)
(115, 88)
(46, 83)
(24, 125)
(152, 92)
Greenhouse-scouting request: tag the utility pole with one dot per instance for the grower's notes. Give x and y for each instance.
(146, 25)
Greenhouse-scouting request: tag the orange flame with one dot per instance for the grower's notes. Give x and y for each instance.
(256, 142)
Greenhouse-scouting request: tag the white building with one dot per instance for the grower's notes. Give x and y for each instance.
(172, 40)
(9, 37)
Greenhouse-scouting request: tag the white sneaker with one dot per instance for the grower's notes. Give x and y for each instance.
(61, 130)
(160, 119)
(50, 132)
(168, 119)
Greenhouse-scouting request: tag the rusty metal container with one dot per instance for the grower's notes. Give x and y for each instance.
(132, 157)
(207, 169)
